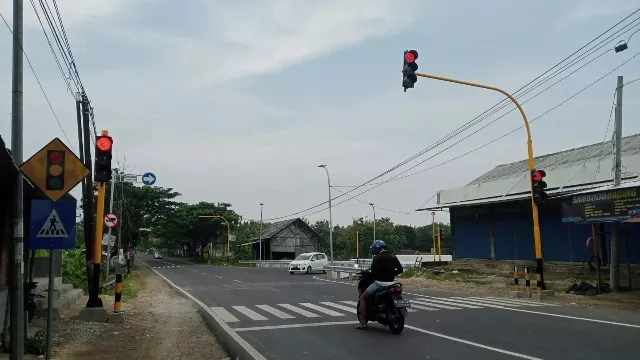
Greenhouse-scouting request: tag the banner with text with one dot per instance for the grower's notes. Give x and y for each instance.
(610, 205)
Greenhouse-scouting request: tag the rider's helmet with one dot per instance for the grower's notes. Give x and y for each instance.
(377, 246)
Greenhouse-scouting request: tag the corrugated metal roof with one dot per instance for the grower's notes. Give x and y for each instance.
(630, 146)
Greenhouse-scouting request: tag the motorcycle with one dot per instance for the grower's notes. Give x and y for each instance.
(386, 306)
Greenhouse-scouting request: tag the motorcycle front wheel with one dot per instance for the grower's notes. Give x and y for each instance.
(397, 325)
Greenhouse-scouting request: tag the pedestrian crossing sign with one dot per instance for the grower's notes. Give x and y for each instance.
(52, 224)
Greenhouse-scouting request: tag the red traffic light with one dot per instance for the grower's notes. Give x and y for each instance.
(538, 175)
(411, 56)
(55, 157)
(104, 143)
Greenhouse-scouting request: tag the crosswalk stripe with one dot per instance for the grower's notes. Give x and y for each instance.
(298, 310)
(469, 303)
(322, 310)
(249, 313)
(338, 306)
(437, 301)
(355, 304)
(424, 302)
(224, 314)
(276, 312)
(423, 307)
(488, 302)
(505, 302)
(522, 301)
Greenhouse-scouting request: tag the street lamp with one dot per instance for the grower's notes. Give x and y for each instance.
(330, 220)
(260, 256)
(228, 230)
(374, 221)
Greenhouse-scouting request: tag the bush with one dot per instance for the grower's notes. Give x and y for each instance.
(74, 270)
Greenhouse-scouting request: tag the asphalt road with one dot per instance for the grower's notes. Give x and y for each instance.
(286, 317)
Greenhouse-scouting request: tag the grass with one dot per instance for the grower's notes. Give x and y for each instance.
(131, 285)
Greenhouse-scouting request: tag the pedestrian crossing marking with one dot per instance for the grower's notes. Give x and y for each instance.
(249, 313)
(224, 314)
(346, 307)
(298, 310)
(322, 310)
(52, 227)
(276, 312)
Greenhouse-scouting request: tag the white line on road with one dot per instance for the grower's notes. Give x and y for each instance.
(275, 327)
(276, 312)
(338, 306)
(298, 310)
(250, 313)
(422, 302)
(204, 273)
(522, 356)
(224, 314)
(322, 310)
(237, 338)
(237, 281)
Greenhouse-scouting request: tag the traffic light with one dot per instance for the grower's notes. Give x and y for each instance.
(538, 185)
(409, 69)
(55, 169)
(102, 171)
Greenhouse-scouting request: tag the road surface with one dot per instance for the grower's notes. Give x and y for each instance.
(286, 317)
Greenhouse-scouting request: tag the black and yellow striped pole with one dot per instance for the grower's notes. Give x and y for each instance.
(516, 286)
(117, 304)
(527, 282)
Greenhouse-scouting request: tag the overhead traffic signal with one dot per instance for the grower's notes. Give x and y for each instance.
(538, 185)
(409, 69)
(102, 170)
(55, 170)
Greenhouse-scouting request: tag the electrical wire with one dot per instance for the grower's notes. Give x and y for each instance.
(64, 133)
(466, 126)
(490, 142)
(378, 207)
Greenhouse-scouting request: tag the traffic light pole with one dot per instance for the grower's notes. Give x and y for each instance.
(536, 222)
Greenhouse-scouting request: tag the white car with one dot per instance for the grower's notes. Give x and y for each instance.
(308, 263)
(157, 255)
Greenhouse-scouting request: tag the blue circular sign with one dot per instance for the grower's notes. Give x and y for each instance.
(148, 178)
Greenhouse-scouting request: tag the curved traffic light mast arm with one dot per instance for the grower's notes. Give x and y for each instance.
(536, 224)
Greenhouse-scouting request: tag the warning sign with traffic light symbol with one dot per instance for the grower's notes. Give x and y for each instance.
(55, 169)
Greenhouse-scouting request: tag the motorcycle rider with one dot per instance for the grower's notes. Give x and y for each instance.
(384, 268)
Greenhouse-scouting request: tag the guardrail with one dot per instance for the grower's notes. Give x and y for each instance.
(267, 263)
(343, 272)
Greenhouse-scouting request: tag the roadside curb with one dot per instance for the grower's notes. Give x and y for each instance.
(235, 345)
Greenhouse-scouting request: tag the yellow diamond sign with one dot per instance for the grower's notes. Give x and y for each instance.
(55, 170)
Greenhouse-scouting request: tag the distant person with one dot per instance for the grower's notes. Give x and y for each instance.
(590, 250)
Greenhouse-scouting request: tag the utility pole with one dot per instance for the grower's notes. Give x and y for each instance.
(374, 220)
(260, 240)
(433, 233)
(614, 266)
(17, 136)
(330, 218)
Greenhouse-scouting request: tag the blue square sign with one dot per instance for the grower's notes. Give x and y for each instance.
(53, 224)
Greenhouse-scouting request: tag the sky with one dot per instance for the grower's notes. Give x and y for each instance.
(240, 101)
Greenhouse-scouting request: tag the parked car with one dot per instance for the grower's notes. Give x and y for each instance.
(157, 255)
(308, 263)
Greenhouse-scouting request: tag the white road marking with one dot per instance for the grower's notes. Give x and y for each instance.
(237, 338)
(238, 281)
(298, 310)
(322, 310)
(224, 314)
(524, 301)
(481, 302)
(204, 273)
(501, 302)
(276, 312)
(338, 306)
(249, 313)
(431, 299)
(423, 302)
(352, 303)
(289, 326)
(486, 347)
(423, 307)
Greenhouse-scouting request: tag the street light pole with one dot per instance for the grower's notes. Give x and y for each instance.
(374, 221)
(330, 219)
(260, 256)
(536, 222)
(228, 231)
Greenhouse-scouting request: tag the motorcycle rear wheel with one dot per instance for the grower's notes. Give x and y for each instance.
(397, 326)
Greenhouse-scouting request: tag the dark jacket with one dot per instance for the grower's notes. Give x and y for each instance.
(386, 267)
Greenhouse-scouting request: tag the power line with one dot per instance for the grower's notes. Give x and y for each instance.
(376, 206)
(486, 144)
(40, 85)
(467, 125)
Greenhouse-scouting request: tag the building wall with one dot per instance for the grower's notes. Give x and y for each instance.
(505, 232)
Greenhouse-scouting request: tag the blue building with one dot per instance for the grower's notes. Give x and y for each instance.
(491, 216)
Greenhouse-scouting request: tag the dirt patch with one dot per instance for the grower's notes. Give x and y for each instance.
(160, 324)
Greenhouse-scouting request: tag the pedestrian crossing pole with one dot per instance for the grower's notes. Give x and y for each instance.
(117, 304)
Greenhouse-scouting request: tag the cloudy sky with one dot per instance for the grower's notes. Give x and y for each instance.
(240, 101)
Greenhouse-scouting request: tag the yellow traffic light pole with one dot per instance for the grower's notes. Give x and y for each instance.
(536, 224)
(228, 231)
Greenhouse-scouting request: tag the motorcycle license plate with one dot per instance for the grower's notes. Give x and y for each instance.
(401, 303)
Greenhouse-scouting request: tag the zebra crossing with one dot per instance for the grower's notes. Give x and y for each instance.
(336, 309)
(167, 267)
